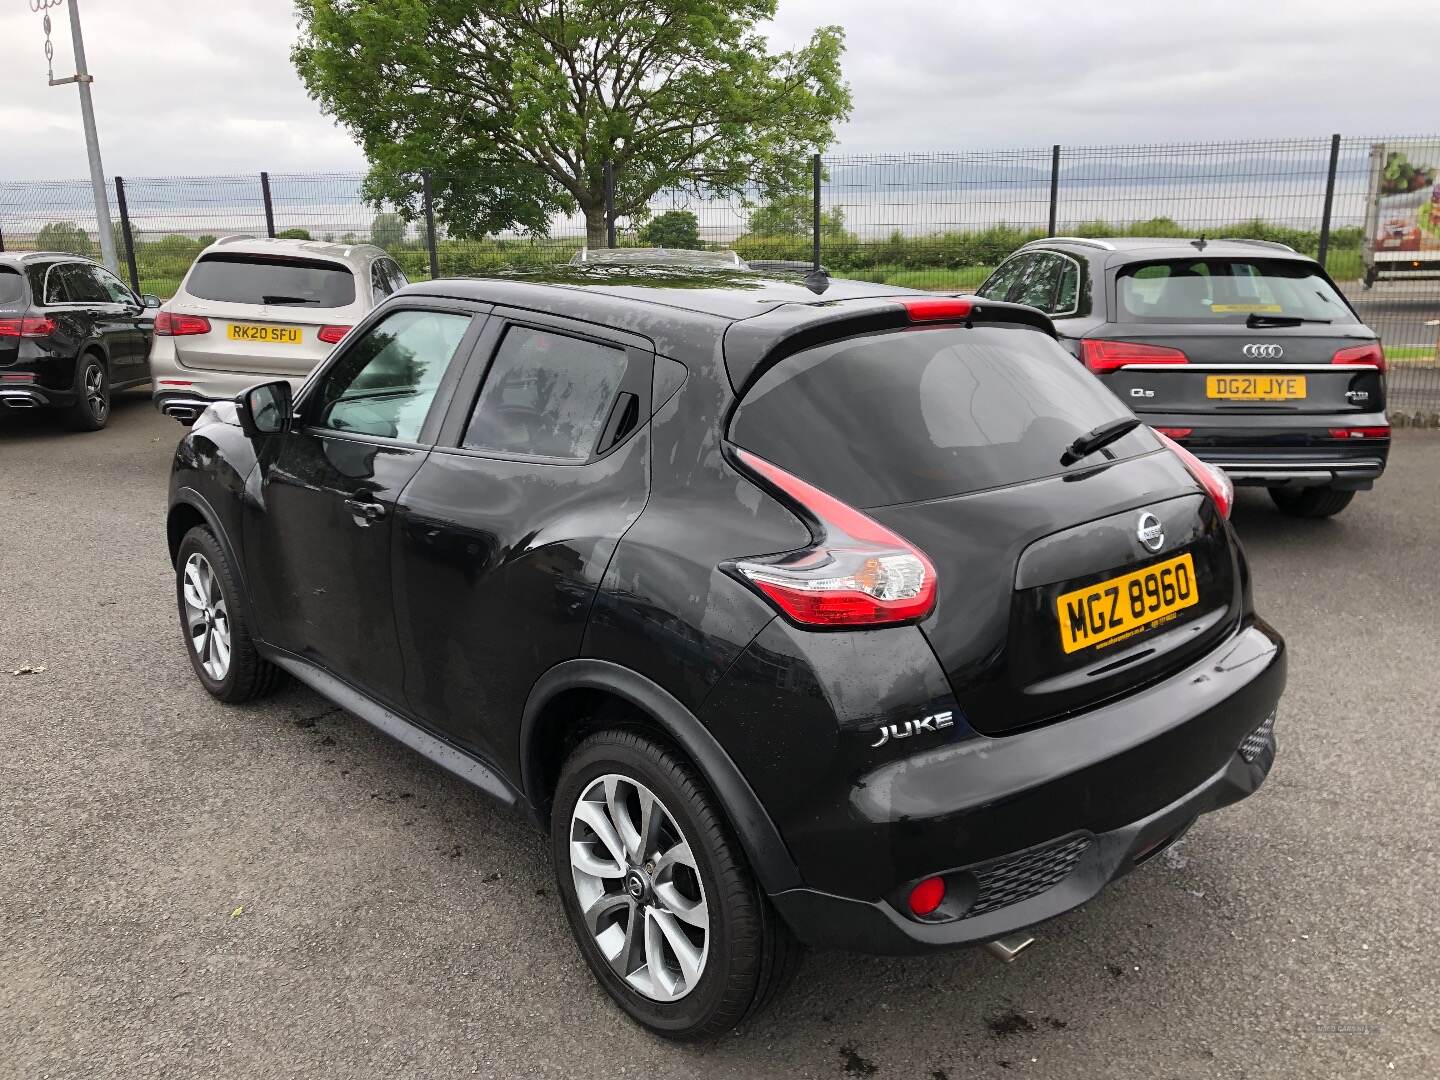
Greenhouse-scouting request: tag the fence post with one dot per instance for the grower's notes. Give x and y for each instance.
(1054, 186)
(427, 195)
(2, 240)
(815, 168)
(269, 206)
(1329, 200)
(609, 183)
(124, 209)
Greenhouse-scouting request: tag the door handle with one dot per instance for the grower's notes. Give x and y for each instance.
(370, 511)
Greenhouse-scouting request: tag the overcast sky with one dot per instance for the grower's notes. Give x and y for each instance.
(199, 88)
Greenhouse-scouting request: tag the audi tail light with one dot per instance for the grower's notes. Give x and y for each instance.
(856, 572)
(169, 324)
(1101, 355)
(1216, 484)
(1371, 355)
(1378, 431)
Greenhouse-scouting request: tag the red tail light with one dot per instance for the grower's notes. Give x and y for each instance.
(332, 335)
(1216, 484)
(1101, 355)
(1380, 431)
(28, 377)
(1371, 355)
(927, 896)
(1176, 432)
(857, 573)
(937, 309)
(34, 326)
(168, 324)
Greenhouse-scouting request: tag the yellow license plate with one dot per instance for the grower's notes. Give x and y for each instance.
(1111, 611)
(1255, 387)
(271, 335)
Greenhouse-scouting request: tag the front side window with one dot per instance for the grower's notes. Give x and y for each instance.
(997, 285)
(547, 395)
(114, 289)
(386, 381)
(1227, 291)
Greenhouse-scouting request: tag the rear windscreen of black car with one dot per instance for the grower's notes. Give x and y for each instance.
(1227, 291)
(259, 279)
(913, 415)
(12, 285)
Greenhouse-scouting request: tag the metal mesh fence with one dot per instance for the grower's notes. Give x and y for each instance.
(929, 221)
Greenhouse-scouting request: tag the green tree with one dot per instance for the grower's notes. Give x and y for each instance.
(793, 215)
(516, 104)
(293, 234)
(64, 236)
(672, 229)
(387, 231)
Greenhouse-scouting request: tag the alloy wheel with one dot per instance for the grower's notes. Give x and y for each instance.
(638, 888)
(95, 397)
(206, 618)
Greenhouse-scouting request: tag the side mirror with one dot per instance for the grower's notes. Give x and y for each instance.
(265, 409)
(150, 300)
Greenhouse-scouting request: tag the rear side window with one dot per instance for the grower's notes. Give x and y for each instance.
(546, 395)
(921, 414)
(1226, 291)
(282, 282)
(12, 286)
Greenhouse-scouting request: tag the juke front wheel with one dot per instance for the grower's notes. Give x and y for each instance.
(658, 892)
(217, 630)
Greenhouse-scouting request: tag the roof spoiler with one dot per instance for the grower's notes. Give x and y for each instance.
(753, 346)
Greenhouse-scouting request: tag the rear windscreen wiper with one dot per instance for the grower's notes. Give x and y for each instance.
(1097, 437)
(1257, 319)
(288, 300)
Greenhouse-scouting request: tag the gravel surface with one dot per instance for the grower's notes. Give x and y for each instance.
(193, 890)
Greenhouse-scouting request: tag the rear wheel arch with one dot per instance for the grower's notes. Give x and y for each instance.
(578, 697)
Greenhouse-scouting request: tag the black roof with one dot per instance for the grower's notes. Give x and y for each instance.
(727, 294)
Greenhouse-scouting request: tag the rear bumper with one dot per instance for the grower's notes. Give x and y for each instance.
(1070, 805)
(26, 397)
(1278, 451)
(823, 920)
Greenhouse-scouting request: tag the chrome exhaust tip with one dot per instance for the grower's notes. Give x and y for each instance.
(20, 402)
(1006, 949)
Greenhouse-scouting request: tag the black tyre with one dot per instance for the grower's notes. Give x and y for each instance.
(1313, 502)
(214, 621)
(658, 892)
(91, 410)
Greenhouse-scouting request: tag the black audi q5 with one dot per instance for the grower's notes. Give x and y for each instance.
(798, 613)
(1243, 350)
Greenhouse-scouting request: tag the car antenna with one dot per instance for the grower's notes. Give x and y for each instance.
(1200, 243)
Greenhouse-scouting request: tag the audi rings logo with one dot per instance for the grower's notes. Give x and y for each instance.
(1256, 351)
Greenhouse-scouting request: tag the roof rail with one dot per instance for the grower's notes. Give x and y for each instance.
(51, 255)
(1262, 243)
(1084, 241)
(233, 237)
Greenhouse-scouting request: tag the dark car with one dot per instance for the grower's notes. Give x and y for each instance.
(866, 620)
(71, 333)
(1243, 350)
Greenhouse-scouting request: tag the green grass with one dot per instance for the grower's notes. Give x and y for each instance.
(1345, 265)
(1411, 353)
(966, 277)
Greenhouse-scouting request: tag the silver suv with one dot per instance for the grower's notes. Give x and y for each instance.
(254, 310)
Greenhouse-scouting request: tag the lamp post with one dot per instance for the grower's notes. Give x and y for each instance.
(82, 78)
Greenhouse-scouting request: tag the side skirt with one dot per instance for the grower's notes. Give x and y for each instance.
(449, 757)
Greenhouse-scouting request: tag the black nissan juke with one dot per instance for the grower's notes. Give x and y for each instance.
(797, 613)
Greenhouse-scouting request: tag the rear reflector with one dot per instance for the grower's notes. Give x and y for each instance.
(1216, 484)
(168, 324)
(32, 326)
(29, 377)
(1380, 431)
(1371, 355)
(927, 896)
(332, 335)
(857, 573)
(1101, 355)
(937, 309)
